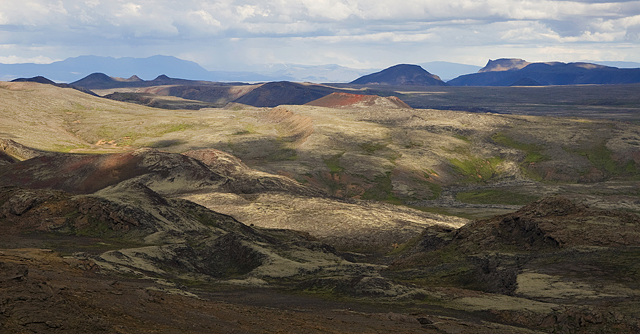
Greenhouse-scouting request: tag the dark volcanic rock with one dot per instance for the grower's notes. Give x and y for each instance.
(548, 235)
(401, 75)
(6, 159)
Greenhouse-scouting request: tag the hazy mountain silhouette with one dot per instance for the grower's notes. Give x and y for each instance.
(73, 69)
(401, 75)
(448, 70)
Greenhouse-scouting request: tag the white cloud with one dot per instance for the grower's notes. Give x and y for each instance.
(321, 26)
(18, 60)
(204, 18)
(128, 10)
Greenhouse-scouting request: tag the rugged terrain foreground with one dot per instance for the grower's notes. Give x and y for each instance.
(330, 221)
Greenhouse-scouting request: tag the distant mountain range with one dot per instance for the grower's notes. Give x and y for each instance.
(500, 72)
(103, 81)
(76, 68)
(73, 69)
(518, 72)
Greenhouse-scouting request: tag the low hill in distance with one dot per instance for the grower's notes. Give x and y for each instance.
(401, 75)
(507, 72)
(43, 80)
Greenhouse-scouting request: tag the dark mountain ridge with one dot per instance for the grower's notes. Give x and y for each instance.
(103, 81)
(43, 80)
(401, 75)
(507, 72)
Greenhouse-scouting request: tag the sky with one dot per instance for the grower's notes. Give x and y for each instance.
(234, 35)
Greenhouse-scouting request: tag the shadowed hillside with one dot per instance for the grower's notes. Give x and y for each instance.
(346, 100)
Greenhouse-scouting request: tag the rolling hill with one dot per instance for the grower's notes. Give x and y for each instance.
(350, 214)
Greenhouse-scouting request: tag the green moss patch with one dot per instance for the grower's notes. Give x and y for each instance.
(601, 158)
(533, 152)
(371, 148)
(382, 190)
(333, 163)
(285, 154)
(475, 169)
(436, 190)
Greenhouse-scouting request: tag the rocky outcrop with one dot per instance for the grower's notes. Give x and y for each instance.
(11, 151)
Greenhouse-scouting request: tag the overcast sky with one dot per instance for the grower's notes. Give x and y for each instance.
(228, 34)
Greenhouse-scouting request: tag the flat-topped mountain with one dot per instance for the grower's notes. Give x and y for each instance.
(510, 72)
(401, 75)
(504, 64)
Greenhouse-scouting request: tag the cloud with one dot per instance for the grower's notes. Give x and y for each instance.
(197, 26)
(19, 60)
